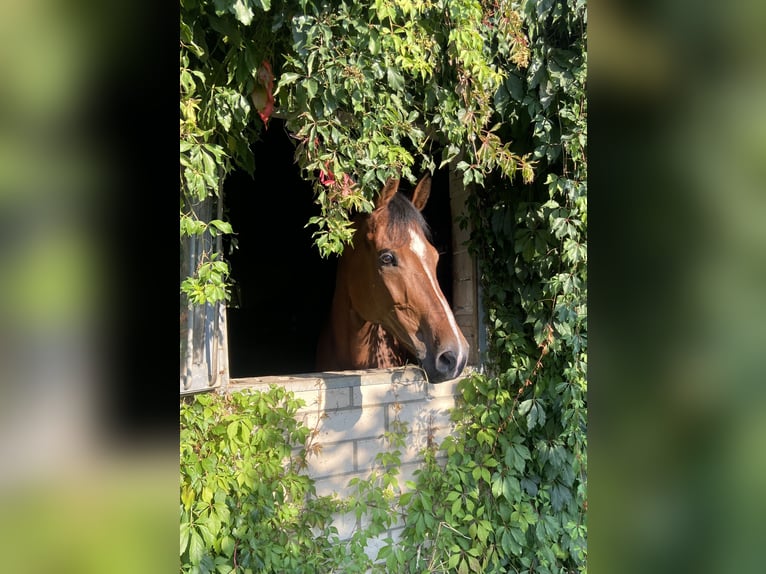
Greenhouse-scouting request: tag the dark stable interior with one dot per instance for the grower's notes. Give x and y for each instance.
(282, 286)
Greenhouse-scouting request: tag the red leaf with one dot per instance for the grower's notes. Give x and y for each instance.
(262, 94)
(327, 179)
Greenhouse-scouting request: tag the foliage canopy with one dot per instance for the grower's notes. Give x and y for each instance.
(368, 90)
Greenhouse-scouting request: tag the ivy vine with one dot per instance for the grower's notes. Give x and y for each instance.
(368, 90)
(245, 502)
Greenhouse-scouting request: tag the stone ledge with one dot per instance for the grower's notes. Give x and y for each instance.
(407, 375)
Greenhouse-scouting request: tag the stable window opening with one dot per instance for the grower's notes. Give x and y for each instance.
(282, 287)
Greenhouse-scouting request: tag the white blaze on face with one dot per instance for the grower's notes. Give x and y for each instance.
(419, 247)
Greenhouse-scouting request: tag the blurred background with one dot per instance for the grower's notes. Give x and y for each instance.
(88, 286)
(88, 235)
(677, 279)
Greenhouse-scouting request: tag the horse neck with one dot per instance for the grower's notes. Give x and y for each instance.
(355, 342)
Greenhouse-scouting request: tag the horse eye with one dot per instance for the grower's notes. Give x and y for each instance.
(387, 258)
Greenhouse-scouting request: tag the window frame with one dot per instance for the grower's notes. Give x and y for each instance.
(208, 366)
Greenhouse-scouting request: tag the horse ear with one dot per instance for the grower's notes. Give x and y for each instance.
(422, 191)
(389, 191)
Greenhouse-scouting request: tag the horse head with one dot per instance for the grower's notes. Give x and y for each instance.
(391, 282)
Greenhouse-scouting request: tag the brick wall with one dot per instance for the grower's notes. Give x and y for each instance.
(351, 410)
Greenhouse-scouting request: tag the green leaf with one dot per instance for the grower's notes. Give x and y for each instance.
(242, 11)
(560, 496)
(187, 496)
(312, 87)
(222, 226)
(481, 533)
(484, 437)
(395, 79)
(184, 537)
(372, 45)
(525, 406)
(208, 535)
(231, 429)
(511, 488)
(196, 547)
(287, 78)
(497, 486)
(536, 416)
(522, 451)
(529, 486)
(453, 560)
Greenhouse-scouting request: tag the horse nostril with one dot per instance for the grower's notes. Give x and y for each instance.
(446, 362)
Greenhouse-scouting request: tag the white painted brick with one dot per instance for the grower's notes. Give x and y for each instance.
(396, 533)
(322, 399)
(375, 544)
(402, 375)
(337, 484)
(345, 523)
(422, 414)
(347, 424)
(305, 382)
(389, 392)
(413, 453)
(333, 458)
(366, 450)
(313, 399)
(407, 472)
(439, 434)
(350, 411)
(445, 389)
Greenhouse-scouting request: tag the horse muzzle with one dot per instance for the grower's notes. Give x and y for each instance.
(447, 363)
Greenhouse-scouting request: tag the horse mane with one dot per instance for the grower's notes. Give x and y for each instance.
(401, 216)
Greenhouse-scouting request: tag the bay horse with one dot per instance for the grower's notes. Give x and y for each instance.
(388, 309)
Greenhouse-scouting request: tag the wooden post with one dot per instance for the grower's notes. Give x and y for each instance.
(464, 276)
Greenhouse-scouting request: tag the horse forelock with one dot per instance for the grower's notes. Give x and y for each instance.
(401, 217)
